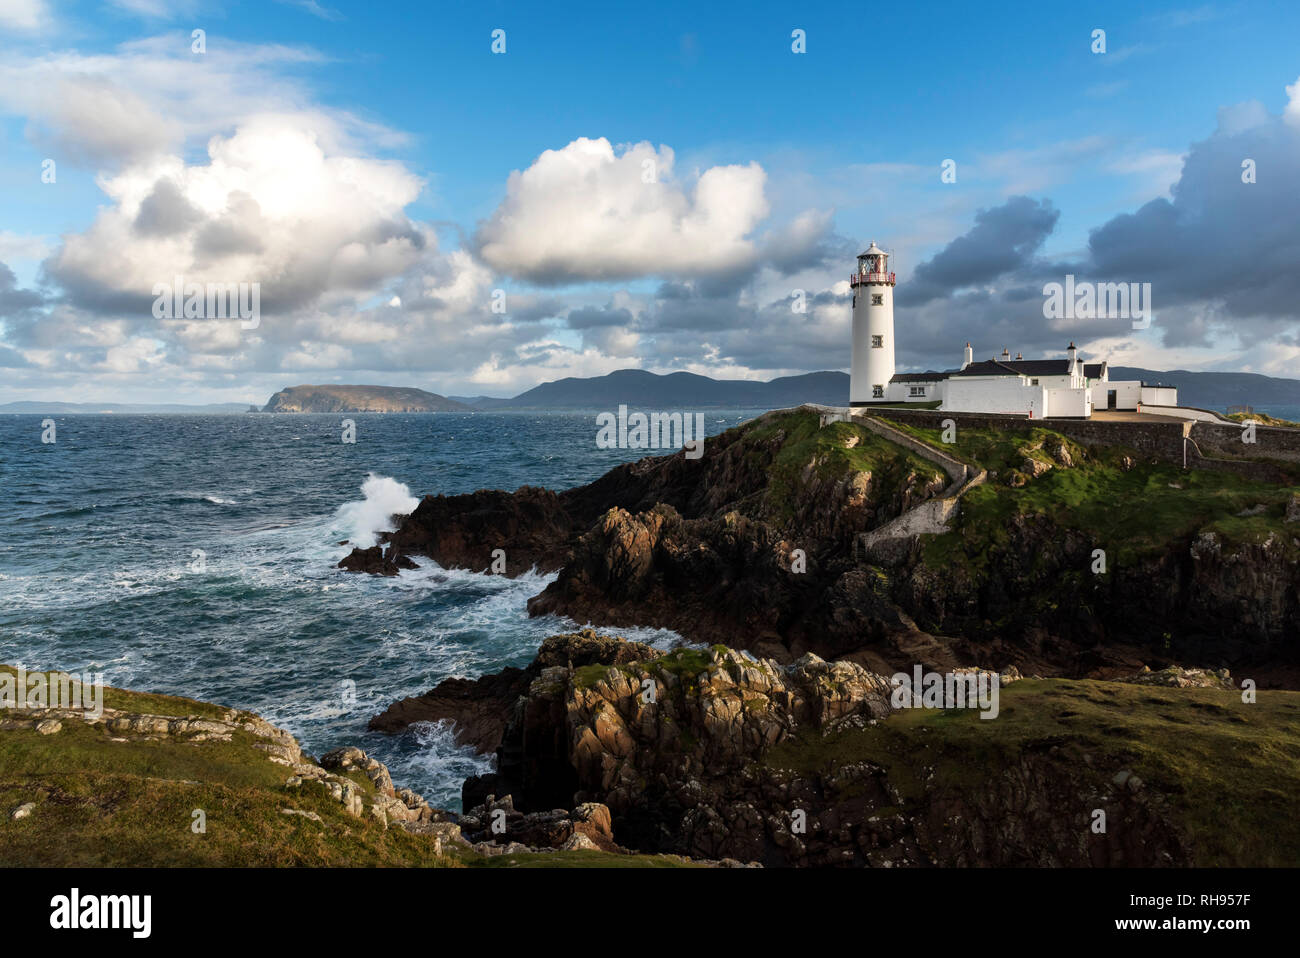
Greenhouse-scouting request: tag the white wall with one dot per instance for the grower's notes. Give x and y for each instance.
(1128, 393)
(1182, 412)
(1053, 382)
(1075, 403)
(872, 365)
(1159, 395)
(998, 394)
(902, 392)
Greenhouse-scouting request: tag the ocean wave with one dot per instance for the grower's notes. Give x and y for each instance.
(385, 497)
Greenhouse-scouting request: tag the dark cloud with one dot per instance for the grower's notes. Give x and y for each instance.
(14, 301)
(1004, 240)
(165, 211)
(1219, 240)
(594, 317)
(239, 230)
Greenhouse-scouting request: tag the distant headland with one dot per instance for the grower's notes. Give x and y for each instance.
(337, 399)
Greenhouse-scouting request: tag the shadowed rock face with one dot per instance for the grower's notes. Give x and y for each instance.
(375, 561)
(476, 708)
(531, 527)
(702, 546)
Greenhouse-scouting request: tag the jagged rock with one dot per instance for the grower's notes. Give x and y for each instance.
(1059, 449)
(478, 709)
(375, 561)
(1176, 677)
(587, 826)
(531, 526)
(388, 804)
(1035, 467)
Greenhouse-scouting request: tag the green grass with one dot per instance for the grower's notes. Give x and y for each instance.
(104, 803)
(1228, 770)
(805, 443)
(1261, 418)
(149, 702)
(1130, 513)
(126, 804)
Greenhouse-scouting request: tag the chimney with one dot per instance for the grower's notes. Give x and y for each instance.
(968, 357)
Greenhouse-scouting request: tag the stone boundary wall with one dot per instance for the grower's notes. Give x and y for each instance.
(1271, 442)
(1163, 440)
(1184, 412)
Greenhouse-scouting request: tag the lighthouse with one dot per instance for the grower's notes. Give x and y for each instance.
(873, 327)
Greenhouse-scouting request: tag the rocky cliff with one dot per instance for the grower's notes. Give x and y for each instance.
(752, 544)
(1068, 560)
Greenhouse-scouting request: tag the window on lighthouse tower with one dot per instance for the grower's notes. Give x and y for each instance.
(877, 299)
(877, 342)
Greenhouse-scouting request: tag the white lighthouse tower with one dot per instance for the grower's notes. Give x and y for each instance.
(873, 327)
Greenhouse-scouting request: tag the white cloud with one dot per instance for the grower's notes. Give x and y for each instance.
(1292, 112)
(153, 96)
(24, 14)
(157, 9)
(272, 206)
(17, 246)
(1155, 171)
(587, 212)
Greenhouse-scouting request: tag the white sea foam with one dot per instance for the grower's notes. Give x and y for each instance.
(384, 498)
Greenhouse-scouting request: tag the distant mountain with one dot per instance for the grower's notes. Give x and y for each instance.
(636, 387)
(334, 399)
(38, 407)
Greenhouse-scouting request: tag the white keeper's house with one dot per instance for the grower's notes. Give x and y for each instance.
(1066, 387)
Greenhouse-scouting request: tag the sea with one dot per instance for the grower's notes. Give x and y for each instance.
(195, 555)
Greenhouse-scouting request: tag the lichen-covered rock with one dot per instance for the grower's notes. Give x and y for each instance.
(1180, 678)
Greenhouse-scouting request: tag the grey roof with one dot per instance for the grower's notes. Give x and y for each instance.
(929, 376)
(1017, 367)
(987, 367)
(1094, 370)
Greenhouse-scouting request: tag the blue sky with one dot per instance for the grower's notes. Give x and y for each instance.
(771, 169)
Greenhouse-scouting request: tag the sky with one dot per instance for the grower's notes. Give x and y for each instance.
(474, 198)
